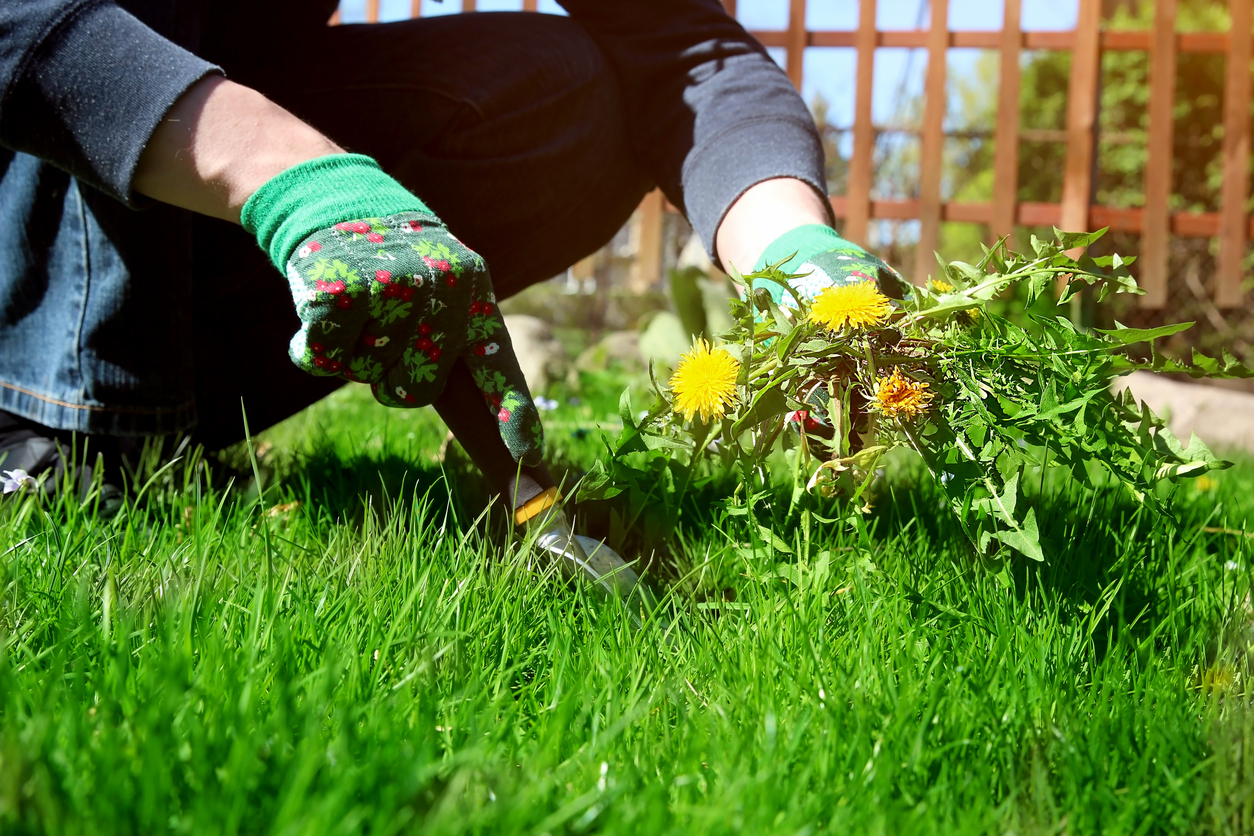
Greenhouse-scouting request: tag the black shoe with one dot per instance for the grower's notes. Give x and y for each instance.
(36, 458)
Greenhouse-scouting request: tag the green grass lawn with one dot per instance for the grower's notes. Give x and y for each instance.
(356, 651)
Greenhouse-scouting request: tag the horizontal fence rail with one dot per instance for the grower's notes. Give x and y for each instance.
(1204, 42)
(1154, 221)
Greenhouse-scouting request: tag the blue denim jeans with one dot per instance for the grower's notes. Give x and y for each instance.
(96, 324)
(131, 323)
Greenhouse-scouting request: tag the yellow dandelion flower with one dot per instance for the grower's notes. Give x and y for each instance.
(970, 316)
(705, 382)
(1205, 483)
(858, 305)
(940, 285)
(900, 397)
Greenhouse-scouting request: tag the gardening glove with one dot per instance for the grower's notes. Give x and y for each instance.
(829, 260)
(386, 294)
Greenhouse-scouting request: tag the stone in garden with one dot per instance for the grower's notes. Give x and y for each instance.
(1223, 418)
(693, 255)
(540, 356)
(616, 350)
(664, 339)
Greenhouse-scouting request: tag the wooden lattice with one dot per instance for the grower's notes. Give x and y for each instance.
(1155, 222)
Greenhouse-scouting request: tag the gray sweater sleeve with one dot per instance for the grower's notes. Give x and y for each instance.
(83, 84)
(712, 114)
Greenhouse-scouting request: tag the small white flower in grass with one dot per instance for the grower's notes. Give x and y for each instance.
(15, 480)
(545, 404)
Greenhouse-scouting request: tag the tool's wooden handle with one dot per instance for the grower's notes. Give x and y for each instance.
(463, 410)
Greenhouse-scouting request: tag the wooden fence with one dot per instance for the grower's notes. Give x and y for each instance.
(1154, 221)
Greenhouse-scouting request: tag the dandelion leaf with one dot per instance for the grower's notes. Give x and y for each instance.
(1025, 539)
(1071, 240)
(1128, 336)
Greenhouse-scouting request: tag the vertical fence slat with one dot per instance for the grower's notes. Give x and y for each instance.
(1006, 138)
(530, 5)
(1077, 180)
(796, 39)
(1236, 150)
(415, 8)
(468, 5)
(932, 144)
(372, 11)
(335, 17)
(585, 268)
(648, 267)
(859, 197)
(1156, 222)
(730, 6)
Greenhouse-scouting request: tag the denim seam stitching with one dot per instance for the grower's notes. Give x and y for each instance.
(82, 315)
(90, 408)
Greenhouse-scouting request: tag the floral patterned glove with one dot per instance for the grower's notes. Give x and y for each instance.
(830, 261)
(386, 294)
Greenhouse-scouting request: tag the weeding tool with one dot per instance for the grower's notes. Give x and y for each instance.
(534, 498)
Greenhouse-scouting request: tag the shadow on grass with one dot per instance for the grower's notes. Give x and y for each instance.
(345, 488)
(1111, 564)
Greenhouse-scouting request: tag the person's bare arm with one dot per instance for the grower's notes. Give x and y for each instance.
(762, 214)
(218, 144)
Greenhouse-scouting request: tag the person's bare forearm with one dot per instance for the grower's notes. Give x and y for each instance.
(218, 144)
(762, 214)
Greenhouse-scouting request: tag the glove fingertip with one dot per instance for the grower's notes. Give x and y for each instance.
(299, 353)
(524, 436)
(395, 389)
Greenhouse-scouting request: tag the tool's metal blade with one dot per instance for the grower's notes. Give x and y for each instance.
(637, 596)
(590, 560)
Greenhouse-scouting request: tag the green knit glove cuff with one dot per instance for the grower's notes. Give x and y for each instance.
(805, 241)
(828, 261)
(317, 194)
